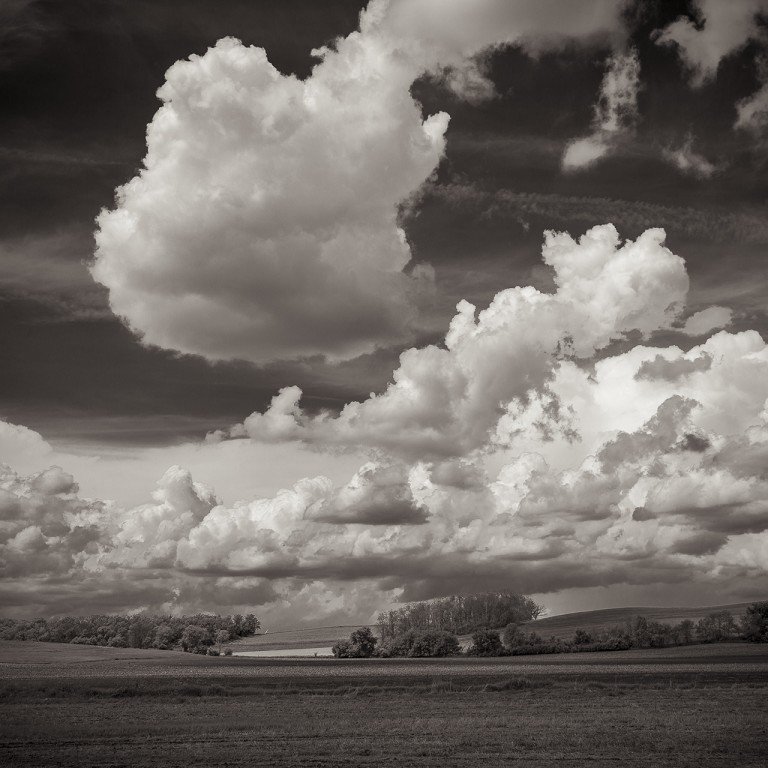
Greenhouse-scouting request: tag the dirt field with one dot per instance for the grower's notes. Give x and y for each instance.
(80, 706)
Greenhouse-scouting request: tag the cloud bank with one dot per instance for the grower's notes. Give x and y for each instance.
(264, 222)
(530, 451)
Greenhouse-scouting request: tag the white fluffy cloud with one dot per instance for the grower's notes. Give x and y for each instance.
(444, 401)
(526, 452)
(615, 113)
(264, 222)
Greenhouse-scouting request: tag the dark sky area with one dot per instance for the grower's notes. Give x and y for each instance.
(77, 89)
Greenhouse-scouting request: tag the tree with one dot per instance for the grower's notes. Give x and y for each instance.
(249, 625)
(222, 636)
(486, 642)
(194, 638)
(165, 637)
(362, 643)
(754, 623)
(716, 627)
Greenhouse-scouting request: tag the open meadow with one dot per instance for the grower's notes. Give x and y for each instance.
(85, 706)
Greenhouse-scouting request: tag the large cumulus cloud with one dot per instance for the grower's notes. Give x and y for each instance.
(264, 222)
(529, 451)
(445, 400)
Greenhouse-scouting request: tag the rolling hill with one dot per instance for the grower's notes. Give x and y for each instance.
(562, 626)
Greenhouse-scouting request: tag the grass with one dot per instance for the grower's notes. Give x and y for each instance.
(694, 706)
(517, 722)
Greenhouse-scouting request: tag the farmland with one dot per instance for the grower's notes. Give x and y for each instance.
(564, 625)
(75, 705)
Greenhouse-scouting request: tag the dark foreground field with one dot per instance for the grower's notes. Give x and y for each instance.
(695, 706)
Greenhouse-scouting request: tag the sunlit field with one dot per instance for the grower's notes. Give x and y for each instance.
(83, 706)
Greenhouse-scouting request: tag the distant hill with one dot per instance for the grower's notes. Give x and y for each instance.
(561, 626)
(564, 625)
(290, 639)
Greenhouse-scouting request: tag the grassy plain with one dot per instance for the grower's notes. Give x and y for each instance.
(78, 706)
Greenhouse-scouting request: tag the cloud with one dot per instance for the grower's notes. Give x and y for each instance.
(686, 159)
(707, 320)
(615, 113)
(720, 30)
(526, 451)
(444, 401)
(752, 111)
(263, 224)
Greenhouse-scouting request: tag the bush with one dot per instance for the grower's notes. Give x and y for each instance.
(212, 652)
(486, 642)
(415, 644)
(581, 637)
(227, 651)
(513, 636)
(435, 644)
(341, 650)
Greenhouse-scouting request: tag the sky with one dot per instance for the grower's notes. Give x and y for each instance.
(309, 309)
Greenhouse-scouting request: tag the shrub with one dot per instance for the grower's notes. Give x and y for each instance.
(581, 637)
(513, 636)
(486, 642)
(435, 644)
(227, 651)
(341, 650)
(415, 644)
(212, 652)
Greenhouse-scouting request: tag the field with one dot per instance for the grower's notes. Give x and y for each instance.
(566, 624)
(82, 706)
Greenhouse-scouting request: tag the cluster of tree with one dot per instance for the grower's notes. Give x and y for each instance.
(195, 634)
(458, 614)
(638, 632)
(413, 643)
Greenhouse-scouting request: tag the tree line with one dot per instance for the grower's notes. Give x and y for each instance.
(513, 640)
(458, 614)
(194, 634)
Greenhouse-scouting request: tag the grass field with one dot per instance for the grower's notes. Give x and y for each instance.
(81, 706)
